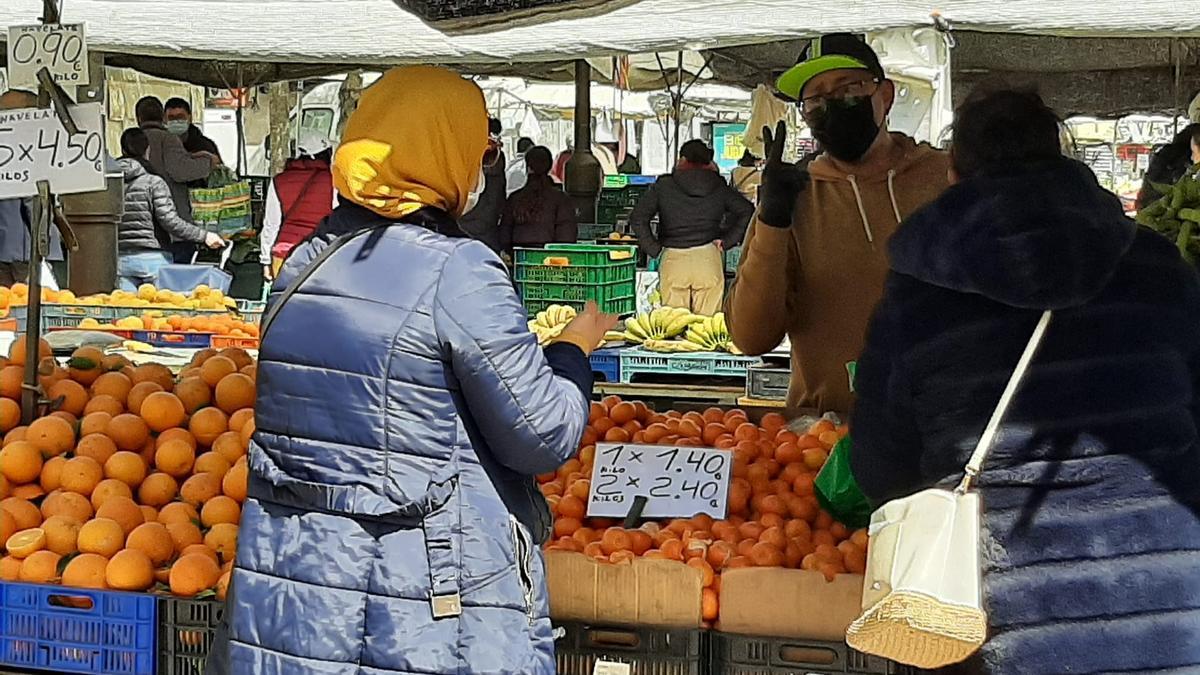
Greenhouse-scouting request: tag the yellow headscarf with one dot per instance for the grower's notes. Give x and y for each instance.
(417, 139)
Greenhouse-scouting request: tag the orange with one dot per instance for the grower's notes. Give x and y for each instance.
(175, 435)
(709, 605)
(10, 415)
(208, 424)
(95, 423)
(149, 513)
(40, 568)
(126, 467)
(51, 435)
(13, 436)
(86, 570)
(184, 535)
(109, 488)
(163, 411)
(140, 392)
(155, 373)
(200, 488)
(216, 369)
(178, 512)
(158, 490)
(235, 392)
(74, 396)
(85, 365)
(123, 511)
(8, 525)
(239, 419)
(29, 492)
(240, 357)
(21, 462)
(223, 509)
(250, 371)
(202, 355)
(223, 585)
(247, 432)
(571, 506)
(763, 554)
(193, 393)
(97, 447)
(62, 534)
(154, 540)
(115, 385)
(26, 542)
(69, 504)
(130, 570)
(81, 474)
(101, 536)
(105, 404)
(201, 549)
(16, 352)
(10, 568)
(175, 458)
(51, 478)
(222, 538)
(129, 432)
(113, 362)
(193, 573)
(11, 379)
(234, 483)
(213, 462)
(707, 575)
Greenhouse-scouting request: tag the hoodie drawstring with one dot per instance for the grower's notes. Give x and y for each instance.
(862, 209)
(892, 194)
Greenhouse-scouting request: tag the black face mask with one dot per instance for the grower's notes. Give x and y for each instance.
(846, 128)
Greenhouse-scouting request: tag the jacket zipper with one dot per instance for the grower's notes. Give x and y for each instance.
(523, 553)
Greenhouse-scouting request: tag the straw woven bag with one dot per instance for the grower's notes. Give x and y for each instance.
(922, 597)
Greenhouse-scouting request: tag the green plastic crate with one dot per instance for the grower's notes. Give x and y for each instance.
(577, 292)
(576, 275)
(577, 255)
(589, 231)
(618, 306)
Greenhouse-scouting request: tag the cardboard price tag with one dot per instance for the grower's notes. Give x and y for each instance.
(677, 482)
(611, 668)
(61, 48)
(35, 146)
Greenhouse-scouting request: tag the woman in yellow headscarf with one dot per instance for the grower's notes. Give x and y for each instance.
(392, 522)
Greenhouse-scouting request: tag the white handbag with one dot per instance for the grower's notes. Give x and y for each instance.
(922, 595)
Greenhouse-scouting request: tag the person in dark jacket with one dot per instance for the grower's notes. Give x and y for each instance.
(392, 520)
(1091, 494)
(699, 216)
(177, 115)
(149, 222)
(539, 213)
(483, 221)
(1170, 163)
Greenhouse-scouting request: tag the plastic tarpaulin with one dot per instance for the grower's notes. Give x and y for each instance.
(461, 16)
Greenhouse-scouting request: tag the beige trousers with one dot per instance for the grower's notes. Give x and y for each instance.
(693, 278)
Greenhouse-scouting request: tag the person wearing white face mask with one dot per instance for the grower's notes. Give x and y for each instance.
(178, 120)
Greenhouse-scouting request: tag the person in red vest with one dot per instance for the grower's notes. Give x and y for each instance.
(298, 199)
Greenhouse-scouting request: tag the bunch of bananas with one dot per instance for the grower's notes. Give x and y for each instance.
(710, 333)
(663, 323)
(549, 323)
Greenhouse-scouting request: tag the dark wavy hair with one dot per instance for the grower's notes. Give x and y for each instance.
(1004, 126)
(527, 202)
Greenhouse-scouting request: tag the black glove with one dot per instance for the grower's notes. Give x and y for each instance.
(782, 182)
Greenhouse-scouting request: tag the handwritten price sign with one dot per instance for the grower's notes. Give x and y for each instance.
(35, 146)
(676, 482)
(60, 48)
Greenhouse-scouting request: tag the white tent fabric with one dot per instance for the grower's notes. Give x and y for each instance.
(377, 31)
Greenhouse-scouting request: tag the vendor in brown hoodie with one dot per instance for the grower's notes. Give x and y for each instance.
(815, 259)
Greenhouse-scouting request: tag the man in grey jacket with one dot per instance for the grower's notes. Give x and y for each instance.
(174, 164)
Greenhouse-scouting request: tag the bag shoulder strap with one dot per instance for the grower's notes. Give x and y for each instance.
(988, 439)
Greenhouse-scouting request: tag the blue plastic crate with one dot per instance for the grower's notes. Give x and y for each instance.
(606, 364)
(169, 338)
(639, 361)
(72, 630)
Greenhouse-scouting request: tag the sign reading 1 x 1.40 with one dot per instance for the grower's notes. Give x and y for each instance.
(61, 48)
(677, 482)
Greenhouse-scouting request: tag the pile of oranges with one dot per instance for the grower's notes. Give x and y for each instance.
(134, 481)
(774, 519)
(219, 324)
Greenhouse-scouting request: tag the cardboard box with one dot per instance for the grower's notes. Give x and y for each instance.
(789, 603)
(660, 593)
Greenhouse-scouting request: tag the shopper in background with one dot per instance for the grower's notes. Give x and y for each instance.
(699, 215)
(1091, 494)
(483, 222)
(297, 200)
(747, 176)
(539, 213)
(393, 521)
(16, 215)
(517, 173)
(178, 120)
(1170, 163)
(814, 263)
(149, 222)
(172, 162)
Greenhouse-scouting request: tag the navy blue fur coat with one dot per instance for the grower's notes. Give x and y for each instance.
(1092, 494)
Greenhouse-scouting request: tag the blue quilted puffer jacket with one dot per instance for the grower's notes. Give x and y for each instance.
(392, 520)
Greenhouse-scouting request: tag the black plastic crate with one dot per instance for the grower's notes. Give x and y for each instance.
(648, 651)
(767, 384)
(186, 629)
(749, 655)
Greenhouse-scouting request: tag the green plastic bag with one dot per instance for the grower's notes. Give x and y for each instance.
(838, 492)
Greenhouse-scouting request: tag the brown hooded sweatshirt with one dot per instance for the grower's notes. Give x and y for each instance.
(818, 281)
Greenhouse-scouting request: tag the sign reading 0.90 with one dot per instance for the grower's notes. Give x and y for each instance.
(35, 146)
(60, 48)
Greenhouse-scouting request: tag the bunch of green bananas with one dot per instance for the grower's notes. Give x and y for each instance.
(710, 333)
(549, 323)
(663, 323)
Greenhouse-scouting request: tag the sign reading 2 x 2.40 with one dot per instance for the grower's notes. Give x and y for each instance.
(677, 482)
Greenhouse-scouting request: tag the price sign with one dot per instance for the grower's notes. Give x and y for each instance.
(58, 47)
(676, 482)
(35, 146)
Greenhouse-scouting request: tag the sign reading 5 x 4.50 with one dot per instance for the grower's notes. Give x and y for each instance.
(35, 146)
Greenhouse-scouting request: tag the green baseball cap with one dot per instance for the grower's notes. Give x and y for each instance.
(838, 51)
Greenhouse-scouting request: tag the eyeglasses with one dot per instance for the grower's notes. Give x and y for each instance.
(491, 156)
(812, 105)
